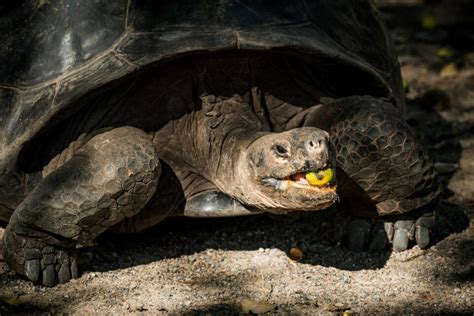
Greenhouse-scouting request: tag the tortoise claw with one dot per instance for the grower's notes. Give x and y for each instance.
(64, 274)
(379, 239)
(32, 270)
(359, 233)
(74, 268)
(423, 226)
(49, 276)
(403, 234)
(422, 236)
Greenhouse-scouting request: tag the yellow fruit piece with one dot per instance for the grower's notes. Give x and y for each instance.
(320, 178)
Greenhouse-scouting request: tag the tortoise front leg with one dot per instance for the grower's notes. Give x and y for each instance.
(108, 179)
(385, 173)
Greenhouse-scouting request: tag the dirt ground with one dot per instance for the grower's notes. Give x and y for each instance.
(186, 266)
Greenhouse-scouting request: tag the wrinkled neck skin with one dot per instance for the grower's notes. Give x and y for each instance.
(213, 143)
(233, 174)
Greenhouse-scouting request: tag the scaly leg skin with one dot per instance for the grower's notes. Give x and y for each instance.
(108, 179)
(384, 174)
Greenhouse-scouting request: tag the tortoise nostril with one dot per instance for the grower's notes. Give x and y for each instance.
(315, 144)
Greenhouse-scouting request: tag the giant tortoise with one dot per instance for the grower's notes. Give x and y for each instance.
(117, 114)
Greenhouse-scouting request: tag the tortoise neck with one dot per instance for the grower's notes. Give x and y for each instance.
(211, 142)
(230, 172)
(226, 130)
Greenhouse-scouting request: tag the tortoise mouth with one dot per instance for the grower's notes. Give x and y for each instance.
(318, 181)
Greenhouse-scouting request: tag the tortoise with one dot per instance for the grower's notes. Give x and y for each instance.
(116, 115)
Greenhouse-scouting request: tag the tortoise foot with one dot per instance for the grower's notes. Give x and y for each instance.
(41, 263)
(108, 179)
(399, 232)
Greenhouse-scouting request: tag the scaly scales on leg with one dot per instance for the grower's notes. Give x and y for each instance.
(110, 178)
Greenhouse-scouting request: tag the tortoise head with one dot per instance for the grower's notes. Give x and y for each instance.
(291, 171)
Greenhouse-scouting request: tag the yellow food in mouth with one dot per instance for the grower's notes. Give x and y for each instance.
(312, 180)
(320, 178)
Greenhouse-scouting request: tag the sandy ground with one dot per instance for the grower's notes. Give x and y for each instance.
(209, 266)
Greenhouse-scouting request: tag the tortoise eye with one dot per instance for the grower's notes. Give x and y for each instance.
(281, 151)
